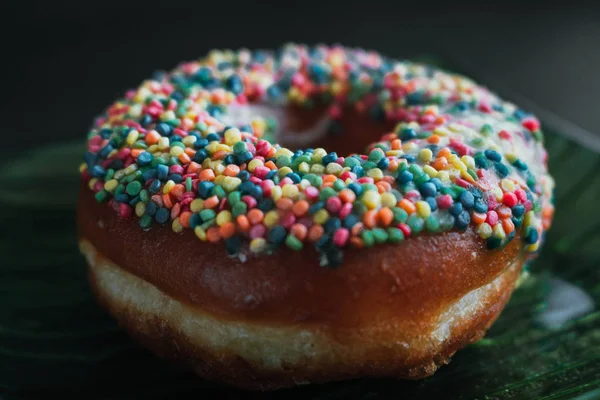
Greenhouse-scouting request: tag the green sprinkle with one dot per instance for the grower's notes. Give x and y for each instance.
(293, 242)
(368, 238)
(133, 188)
(233, 198)
(395, 235)
(101, 195)
(144, 196)
(283, 161)
(326, 193)
(218, 191)
(339, 185)
(380, 235)
(188, 184)
(146, 221)
(432, 224)
(415, 223)
(400, 215)
(239, 209)
(207, 214)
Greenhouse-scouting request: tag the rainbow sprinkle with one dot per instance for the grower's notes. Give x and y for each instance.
(458, 158)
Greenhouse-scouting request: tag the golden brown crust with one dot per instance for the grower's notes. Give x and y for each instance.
(299, 353)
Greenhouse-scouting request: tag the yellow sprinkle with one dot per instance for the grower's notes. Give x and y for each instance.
(304, 167)
(219, 168)
(212, 146)
(119, 174)
(163, 143)
(112, 153)
(457, 163)
(529, 219)
(511, 157)
(271, 218)
(454, 127)
(82, 167)
(276, 193)
(290, 191)
(388, 200)
(283, 152)
(129, 170)
(333, 168)
(484, 230)
(197, 205)
(371, 199)
(284, 171)
(318, 154)
(223, 147)
(533, 247)
(92, 182)
(441, 131)
(168, 186)
(320, 217)
(304, 184)
(317, 169)
(507, 185)
(468, 161)
(223, 217)
(167, 115)
(176, 151)
(394, 153)
(132, 137)
(425, 155)
(153, 148)
(409, 147)
(176, 226)
(443, 176)
(498, 232)
(189, 141)
(423, 208)
(497, 192)
(142, 94)
(258, 245)
(140, 209)
(230, 183)
(232, 136)
(111, 185)
(253, 164)
(201, 233)
(429, 170)
(219, 179)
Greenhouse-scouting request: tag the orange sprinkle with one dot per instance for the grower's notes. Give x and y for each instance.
(184, 158)
(284, 203)
(212, 234)
(152, 137)
(175, 211)
(255, 216)
(227, 230)
(177, 191)
(407, 206)
(219, 155)
(207, 175)
(478, 218)
(271, 153)
(315, 232)
(396, 144)
(393, 164)
(243, 223)
(347, 196)
(301, 207)
(385, 216)
(166, 198)
(504, 212)
(231, 170)
(383, 187)
(211, 202)
(184, 219)
(508, 225)
(299, 231)
(440, 163)
(189, 151)
(433, 139)
(271, 165)
(445, 152)
(157, 199)
(369, 218)
(357, 229)
(329, 178)
(136, 152)
(193, 167)
(356, 242)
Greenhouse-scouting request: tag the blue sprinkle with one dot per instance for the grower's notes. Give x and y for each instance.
(294, 177)
(518, 210)
(520, 165)
(154, 186)
(244, 175)
(162, 215)
(200, 144)
(493, 155)
(277, 234)
(105, 133)
(462, 220)
(329, 158)
(121, 198)
(332, 225)
(89, 158)
(200, 156)
(427, 189)
(405, 177)
(437, 183)
(245, 157)
(97, 171)
(195, 220)
(105, 150)
(229, 159)
(266, 204)
(151, 208)
(358, 170)
(409, 159)
(501, 170)
(356, 188)
(233, 245)
(531, 236)
(211, 137)
(480, 206)
(383, 164)
(350, 221)
(175, 178)
(204, 189)
(316, 207)
(456, 209)
(408, 134)
(146, 120)
(162, 172)
(234, 84)
(467, 199)
(432, 203)
(164, 129)
(145, 158)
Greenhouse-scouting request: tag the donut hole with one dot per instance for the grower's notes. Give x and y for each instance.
(301, 128)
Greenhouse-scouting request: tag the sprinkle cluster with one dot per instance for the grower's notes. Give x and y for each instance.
(459, 156)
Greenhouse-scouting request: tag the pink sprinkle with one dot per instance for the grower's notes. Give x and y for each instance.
(521, 195)
(249, 200)
(257, 231)
(340, 237)
(287, 220)
(285, 181)
(485, 107)
(261, 172)
(405, 229)
(98, 186)
(365, 179)
(492, 202)
(333, 204)
(255, 179)
(223, 205)
(176, 169)
(345, 210)
(413, 195)
(505, 135)
(335, 112)
(311, 192)
(125, 210)
(298, 80)
(510, 199)
(531, 124)
(492, 217)
(123, 153)
(461, 182)
(347, 174)
(266, 186)
(528, 205)
(444, 202)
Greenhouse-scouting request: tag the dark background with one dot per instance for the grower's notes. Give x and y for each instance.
(63, 64)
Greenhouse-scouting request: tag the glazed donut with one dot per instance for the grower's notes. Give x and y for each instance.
(233, 222)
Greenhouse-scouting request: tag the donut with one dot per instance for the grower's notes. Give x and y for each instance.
(311, 214)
